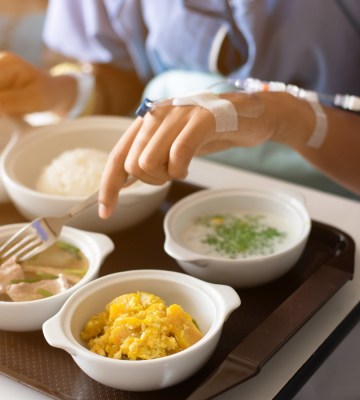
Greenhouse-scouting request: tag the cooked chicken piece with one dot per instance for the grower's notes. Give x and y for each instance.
(72, 278)
(9, 271)
(25, 291)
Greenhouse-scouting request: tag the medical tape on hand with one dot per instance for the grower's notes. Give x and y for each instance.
(224, 112)
(321, 125)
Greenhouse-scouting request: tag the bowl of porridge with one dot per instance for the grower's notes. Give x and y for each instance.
(237, 236)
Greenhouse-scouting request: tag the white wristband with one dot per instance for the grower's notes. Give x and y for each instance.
(226, 116)
(85, 86)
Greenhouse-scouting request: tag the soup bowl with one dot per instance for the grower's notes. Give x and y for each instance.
(30, 315)
(208, 304)
(237, 236)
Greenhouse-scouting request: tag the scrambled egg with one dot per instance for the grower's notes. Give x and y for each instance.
(139, 326)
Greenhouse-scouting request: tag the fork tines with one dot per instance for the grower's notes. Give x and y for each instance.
(23, 242)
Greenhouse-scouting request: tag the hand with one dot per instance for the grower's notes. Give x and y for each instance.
(25, 88)
(155, 149)
(160, 146)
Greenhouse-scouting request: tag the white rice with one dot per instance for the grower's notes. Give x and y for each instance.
(73, 173)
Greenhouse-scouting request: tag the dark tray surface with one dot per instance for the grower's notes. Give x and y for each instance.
(27, 358)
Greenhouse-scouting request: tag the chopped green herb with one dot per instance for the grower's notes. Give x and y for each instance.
(40, 276)
(78, 272)
(44, 292)
(232, 236)
(69, 248)
(45, 275)
(27, 280)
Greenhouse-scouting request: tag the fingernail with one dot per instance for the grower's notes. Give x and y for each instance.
(104, 212)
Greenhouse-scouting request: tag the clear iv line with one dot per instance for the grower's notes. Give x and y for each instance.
(249, 85)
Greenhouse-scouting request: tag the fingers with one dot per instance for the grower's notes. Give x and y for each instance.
(19, 101)
(166, 143)
(144, 157)
(155, 149)
(7, 64)
(148, 157)
(19, 85)
(198, 132)
(114, 175)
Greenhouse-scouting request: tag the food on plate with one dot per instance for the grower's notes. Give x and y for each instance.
(236, 235)
(140, 326)
(50, 272)
(74, 172)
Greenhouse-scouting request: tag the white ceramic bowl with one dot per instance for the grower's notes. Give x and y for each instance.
(287, 209)
(23, 162)
(30, 315)
(8, 136)
(208, 304)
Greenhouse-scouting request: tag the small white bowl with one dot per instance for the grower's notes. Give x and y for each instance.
(23, 162)
(8, 136)
(287, 209)
(30, 315)
(208, 304)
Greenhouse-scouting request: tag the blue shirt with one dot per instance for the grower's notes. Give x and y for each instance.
(23, 35)
(314, 44)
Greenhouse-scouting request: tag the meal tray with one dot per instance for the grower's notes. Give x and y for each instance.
(251, 335)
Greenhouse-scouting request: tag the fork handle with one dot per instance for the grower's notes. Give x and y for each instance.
(82, 206)
(93, 199)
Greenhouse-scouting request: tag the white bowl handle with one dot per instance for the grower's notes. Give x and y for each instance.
(230, 299)
(180, 253)
(55, 336)
(106, 245)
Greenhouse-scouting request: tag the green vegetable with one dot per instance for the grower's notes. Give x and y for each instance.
(232, 236)
(45, 292)
(69, 248)
(27, 280)
(45, 275)
(40, 276)
(73, 271)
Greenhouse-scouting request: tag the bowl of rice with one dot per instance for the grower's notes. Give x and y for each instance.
(50, 169)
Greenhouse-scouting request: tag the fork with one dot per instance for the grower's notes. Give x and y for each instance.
(42, 232)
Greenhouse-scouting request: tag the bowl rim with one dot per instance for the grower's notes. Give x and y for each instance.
(194, 199)
(143, 189)
(65, 314)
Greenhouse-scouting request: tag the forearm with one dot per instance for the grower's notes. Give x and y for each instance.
(338, 155)
(285, 119)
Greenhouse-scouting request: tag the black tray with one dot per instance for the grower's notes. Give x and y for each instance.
(251, 335)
